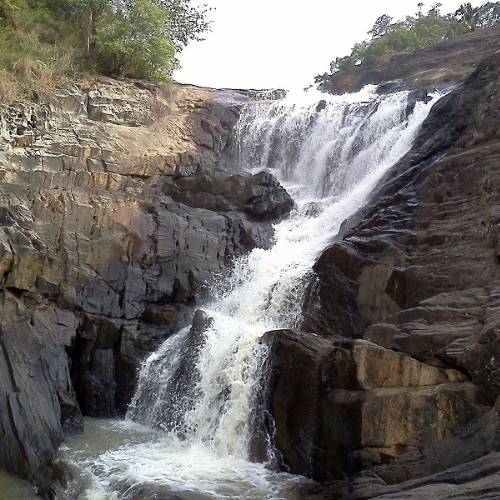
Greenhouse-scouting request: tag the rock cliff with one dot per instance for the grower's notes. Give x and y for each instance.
(401, 381)
(113, 215)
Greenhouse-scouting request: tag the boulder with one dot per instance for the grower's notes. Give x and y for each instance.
(260, 195)
(338, 406)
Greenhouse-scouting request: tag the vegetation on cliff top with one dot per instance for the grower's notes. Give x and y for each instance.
(43, 41)
(415, 32)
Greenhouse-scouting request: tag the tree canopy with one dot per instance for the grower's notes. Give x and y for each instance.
(415, 32)
(137, 38)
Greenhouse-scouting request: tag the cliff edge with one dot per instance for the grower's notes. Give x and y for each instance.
(444, 64)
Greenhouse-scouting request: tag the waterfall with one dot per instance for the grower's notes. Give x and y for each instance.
(197, 389)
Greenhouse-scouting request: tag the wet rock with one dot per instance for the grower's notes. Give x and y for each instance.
(338, 406)
(417, 271)
(392, 86)
(292, 397)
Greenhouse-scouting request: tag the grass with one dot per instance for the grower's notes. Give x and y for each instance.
(36, 54)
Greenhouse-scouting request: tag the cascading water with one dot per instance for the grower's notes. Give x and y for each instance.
(197, 389)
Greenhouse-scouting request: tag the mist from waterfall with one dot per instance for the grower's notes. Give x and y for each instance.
(197, 390)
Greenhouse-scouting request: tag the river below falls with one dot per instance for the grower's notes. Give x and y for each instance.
(177, 476)
(145, 463)
(13, 488)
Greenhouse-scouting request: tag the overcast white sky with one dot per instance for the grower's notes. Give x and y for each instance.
(284, 43)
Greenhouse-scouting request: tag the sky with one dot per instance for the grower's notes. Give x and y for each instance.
(261, 44)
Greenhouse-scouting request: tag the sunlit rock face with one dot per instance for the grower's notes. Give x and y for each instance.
(96, 257)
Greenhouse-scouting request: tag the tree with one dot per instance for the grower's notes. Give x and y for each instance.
(130, 40)
(467, 14)
(381, 27)
(137, 38)
(413, 33)
(485, 15)
(184, 23)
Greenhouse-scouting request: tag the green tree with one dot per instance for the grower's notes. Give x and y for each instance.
(137, 38)
(184, 22)
(381, 27)
(415, 32)
(467, 14)
(42, 42)
(488, 15)
(130, 40)
(484, 16)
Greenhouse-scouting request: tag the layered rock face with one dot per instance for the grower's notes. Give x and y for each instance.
(406, 304)
(113, 215)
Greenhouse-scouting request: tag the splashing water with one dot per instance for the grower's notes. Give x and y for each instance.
(197, 389)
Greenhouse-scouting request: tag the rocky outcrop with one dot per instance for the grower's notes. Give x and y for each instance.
(113, 216)
(465, 465)
(444, 64)
(340, 405)
(404, 373)
(262, 198)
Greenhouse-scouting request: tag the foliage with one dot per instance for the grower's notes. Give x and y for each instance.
(415, 32)
(483, 16)
(137, 38)
(7, 7)
(131, 41)
(184, 23)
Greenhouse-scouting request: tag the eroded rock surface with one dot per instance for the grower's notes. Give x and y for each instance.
(104, 242)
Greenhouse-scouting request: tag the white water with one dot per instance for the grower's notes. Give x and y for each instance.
(197, 389)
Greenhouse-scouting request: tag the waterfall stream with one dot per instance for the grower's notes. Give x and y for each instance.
(188, 427)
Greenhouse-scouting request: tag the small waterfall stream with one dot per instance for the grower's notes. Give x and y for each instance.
(187, 429)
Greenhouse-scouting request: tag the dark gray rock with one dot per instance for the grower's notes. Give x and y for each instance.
(36, 394)
(258, 195)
